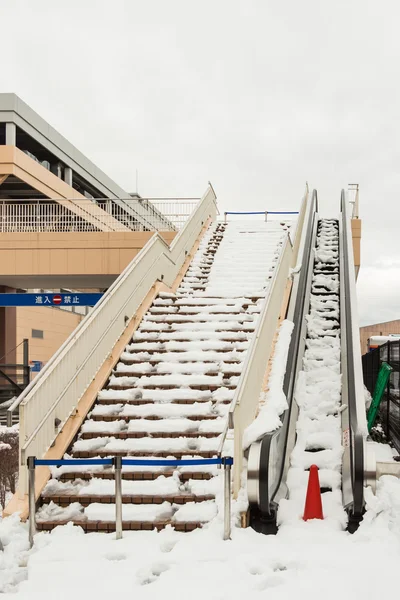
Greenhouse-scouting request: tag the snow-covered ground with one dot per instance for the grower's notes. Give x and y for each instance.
(305, 560)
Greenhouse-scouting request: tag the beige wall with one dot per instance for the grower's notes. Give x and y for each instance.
(377, 329)
(59, 257)
(56, 325)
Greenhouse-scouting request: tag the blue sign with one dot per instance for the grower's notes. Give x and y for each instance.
(50, 299)
(36, 365)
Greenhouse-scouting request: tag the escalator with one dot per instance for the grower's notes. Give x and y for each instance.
(324, 423)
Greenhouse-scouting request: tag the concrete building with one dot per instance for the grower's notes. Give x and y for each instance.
(63, 224)
(377, 329)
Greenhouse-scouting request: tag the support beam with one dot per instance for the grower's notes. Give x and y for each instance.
(68, 176)
(11, 134)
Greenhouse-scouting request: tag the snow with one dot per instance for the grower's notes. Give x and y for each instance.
(304, 560)
(110, 444)
(318, 393)
(274, 400)
(196, 511)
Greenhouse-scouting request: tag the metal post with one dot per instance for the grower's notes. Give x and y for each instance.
(26, 361)
(225, 217)
(266, 216)
(32, 499)
(227, 500)
(389, 360)
(118, 496)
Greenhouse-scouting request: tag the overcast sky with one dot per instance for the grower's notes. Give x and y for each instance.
(257, 97)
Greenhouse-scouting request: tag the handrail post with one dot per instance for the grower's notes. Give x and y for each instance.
(227, 498)
(225, 219)
(32, 499)
(266, 216)
(26, 360)
(118, 496)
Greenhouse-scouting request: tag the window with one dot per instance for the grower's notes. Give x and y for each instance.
(37, 333)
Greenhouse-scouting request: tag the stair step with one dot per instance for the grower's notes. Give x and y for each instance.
(211, 373)
(64, 500)
(180, 351)
(142, 401)
(134, 475)
(110, 418)
(178, 454)
(124, 435)
(204, 388)
(109, 526)
(155, 362)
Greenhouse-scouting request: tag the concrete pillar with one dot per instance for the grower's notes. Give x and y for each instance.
(11, 134)
(68, 176)
(8, 331)
(56, 169)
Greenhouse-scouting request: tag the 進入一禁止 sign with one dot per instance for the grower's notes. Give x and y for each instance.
(50, 299)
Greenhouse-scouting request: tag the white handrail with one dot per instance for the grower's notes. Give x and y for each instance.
(56, 391)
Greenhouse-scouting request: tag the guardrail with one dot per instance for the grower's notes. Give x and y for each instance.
(354, 441)
(176, 210)
(118, 462)
(49, 400)
(82, 216)
(260, 212)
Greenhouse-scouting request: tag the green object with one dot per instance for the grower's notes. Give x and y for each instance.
(381, 383)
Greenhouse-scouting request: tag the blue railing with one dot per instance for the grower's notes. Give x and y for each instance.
(135, 462)
(118, 462)
(261, 212)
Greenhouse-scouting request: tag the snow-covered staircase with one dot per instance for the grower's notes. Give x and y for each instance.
(170, 392)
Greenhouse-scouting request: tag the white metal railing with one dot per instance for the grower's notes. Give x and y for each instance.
(65, 216)
(54, 394)
(354, 199)
(244, 405)
(177, 210)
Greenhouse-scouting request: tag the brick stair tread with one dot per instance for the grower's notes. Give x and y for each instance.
(135, 475)
(89, 526)
(200, 387)
(212, 373)
(156, 361)
(111, 418)
(64, 500)
(182, 351)
(144, 453)
(124, 435)
(142, 401)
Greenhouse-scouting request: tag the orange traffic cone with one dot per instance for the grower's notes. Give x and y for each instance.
(313, 506)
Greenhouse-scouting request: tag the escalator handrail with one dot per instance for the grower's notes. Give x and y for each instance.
(354, 384)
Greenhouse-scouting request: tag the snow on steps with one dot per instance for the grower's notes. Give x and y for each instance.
(170, 393)
(318, 390)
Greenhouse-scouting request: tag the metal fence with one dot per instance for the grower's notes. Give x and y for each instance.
(389, 412)
(118, 462)
(177, 210)
(78, 215)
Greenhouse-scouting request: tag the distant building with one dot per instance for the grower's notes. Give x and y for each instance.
(377, 329)
(64, 225)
